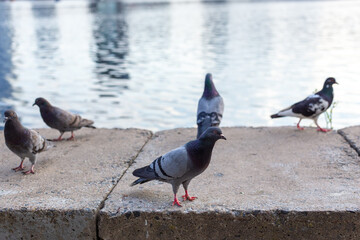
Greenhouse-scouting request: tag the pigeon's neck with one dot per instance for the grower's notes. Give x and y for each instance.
(13, 130)
(200, 153)
(45, 109)
(327, 91)
(46, 106)
(210, 90)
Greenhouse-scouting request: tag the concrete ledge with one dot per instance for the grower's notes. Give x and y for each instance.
(71, 182)
(262, 183)
(235, 225)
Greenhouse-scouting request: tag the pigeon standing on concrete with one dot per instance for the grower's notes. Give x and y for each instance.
(210, 107)
(25, 143)
(182, 164)
(312, 106)
(60, 119)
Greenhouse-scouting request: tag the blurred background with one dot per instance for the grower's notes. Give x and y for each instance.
(142, 63)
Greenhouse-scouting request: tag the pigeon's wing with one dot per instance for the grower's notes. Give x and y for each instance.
(172, 165)
(217, 104)
(312, 106)
(213, 107)
(204, 122)
(68, 121)
(38, 143)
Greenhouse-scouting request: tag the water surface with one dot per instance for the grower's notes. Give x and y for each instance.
(143, 65)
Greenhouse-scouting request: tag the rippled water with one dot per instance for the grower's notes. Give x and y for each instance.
(143, 65)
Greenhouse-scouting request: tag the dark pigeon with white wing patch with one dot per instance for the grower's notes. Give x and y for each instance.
(312, 106)
(60, 119)
(210, 107)
(182, 164)
(25, 143)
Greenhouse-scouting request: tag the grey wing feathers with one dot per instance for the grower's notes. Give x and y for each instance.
(204, 122)
(172, 165)
(213, 107)
(71, 121)
(38, 143)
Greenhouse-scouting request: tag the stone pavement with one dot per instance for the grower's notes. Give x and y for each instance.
(262, 183)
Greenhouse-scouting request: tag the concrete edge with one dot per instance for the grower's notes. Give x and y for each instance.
(81, 224)
(256, 224)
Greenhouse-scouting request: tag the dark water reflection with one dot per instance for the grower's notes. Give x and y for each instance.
(112, 47)
(127, 64)
(6, 64)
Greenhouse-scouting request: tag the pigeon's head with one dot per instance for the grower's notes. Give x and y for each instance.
(10, 115)
(212, 134)
(41, 102)
(329, 82)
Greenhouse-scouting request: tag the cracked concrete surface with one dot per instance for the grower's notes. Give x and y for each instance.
(259, 180)
(61, 199)
(262, 183)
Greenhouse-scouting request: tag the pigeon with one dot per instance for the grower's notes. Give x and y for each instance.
(182, 164)
(210, 107)
(25, 143)
(60, 119)
(312, 106)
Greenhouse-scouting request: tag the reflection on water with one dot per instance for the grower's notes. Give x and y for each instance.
(6, 64)
(127, 64)
(112, 47)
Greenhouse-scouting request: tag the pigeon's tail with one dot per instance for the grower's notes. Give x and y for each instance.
(276, 116)
(145, 174)
(139, 181)
(48, 145)
(90, 126)
(86, 123)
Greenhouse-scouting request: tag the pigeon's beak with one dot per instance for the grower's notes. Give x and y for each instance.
(336, 83)
(5, 119)
(222, 137)
(34, 104)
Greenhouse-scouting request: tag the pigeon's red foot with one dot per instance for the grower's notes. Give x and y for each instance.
(28, 172)
(176, 201)
(323, 130)
(19, 168)
(72, 138)
(298, 127)
(187, 197)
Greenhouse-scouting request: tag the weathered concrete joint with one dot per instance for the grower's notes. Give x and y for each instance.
(102, 204)
(351, 137)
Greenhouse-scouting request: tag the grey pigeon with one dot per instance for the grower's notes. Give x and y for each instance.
(25, 143)
(210, 107)
(312, 106)
(182, 164)
(60, 119)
